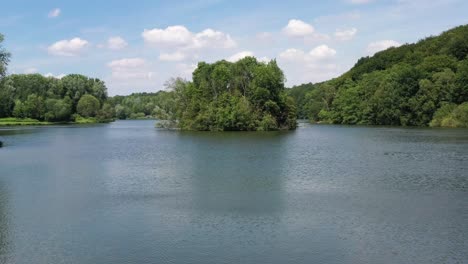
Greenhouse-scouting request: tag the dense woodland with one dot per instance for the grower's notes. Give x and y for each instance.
(245, 95)
(413, 85)
(421, 84)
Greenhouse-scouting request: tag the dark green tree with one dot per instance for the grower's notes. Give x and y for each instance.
(88, 106)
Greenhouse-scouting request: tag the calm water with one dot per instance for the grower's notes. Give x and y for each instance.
(129, 193)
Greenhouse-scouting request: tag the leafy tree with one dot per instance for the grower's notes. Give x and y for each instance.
(88, 106)
(58, 109)
(245, 95)
(4, 58)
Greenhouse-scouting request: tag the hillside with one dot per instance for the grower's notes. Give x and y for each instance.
(419, 84)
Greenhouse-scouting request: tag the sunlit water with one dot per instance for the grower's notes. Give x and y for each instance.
(127, 192)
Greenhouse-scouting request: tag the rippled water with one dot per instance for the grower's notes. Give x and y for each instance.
(129, 193)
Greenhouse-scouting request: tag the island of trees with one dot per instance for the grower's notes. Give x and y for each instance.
(421, 84)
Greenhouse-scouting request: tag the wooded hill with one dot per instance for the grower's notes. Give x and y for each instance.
(419, 84)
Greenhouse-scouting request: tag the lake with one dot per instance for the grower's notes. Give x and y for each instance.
(126, 192)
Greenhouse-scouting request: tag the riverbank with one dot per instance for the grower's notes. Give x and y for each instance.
(11, 121)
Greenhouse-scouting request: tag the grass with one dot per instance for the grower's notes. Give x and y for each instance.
(85, 120)
(12, 121)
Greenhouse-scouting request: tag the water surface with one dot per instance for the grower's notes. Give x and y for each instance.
(127, 192)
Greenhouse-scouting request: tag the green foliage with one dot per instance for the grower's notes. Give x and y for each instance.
(399, 86)
(4, 58)
(451, 115)
(88, 106)
(139, 115)
(442, 113)
(11, 121)
(58, 109)
(157, 105)
(246, 95)
(50, 99)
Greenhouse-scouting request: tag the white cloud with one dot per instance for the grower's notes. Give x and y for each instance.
(292, 55)
(185, 70)
(130, 68)
(240, 55)
(116, 43)
(181, 37)
(30, 70)
(298, 28)
(322, 52)
(172, 35)
(127, 63)
(345, 34)
(213, 39)
(58, 76)
(72, 47)
(175, 56)
(319, 53)
(377, 46)
(54, 13)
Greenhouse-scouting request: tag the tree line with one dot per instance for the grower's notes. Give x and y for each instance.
(421, 84)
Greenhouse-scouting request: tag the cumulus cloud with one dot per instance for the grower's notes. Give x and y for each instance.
(175, 56)
(127, 63)
(316, 65)
(54, 13)
(322, 52)
(319, 53)
(116, 43)
(292, 55)
(130, 68)
(377, 46)
(298, 28)
(58, 76)
(181, 37)
(185, 70)
(345, 34)
(72, 47)
(240, 55)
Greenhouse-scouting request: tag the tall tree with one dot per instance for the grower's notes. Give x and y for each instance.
(4, 58)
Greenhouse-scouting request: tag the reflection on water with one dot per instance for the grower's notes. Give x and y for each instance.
(4, 225)
(129, 193)
(229, 174)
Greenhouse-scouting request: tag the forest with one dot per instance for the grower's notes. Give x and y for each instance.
(421, 84)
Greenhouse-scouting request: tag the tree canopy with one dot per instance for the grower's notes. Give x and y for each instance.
(245, 95)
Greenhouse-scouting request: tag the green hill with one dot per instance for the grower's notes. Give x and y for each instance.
(419, 84)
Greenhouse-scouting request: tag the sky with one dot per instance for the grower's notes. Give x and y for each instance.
(136, 46)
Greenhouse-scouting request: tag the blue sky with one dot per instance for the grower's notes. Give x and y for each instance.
(136, 46)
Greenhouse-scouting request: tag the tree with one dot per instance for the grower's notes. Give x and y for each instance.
(58, 109)
(88, 106)
(4, 58)
(245, 95)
